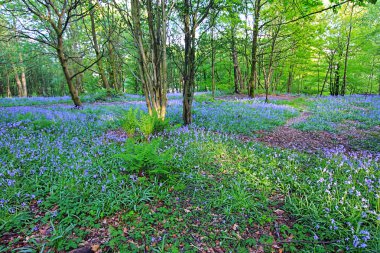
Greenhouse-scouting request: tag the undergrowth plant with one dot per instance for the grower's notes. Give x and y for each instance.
(137, 123)
(130, 123)
(147, 159)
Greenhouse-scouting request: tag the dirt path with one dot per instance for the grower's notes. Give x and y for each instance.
(301, 118)
(308, 141)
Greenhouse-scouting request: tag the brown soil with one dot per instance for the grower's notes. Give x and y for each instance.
(287, 137)
(307, 141)
(312, 141)
(298, 119)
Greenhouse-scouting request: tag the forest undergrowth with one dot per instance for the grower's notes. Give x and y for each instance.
(294, 175)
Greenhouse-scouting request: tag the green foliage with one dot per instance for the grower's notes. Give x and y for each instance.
(130, 122)
(42, 124)
(224, 187)
(103, 96)
(146, 125)
(300, 103)
(204, 98)
(139, 122)
(147, 159)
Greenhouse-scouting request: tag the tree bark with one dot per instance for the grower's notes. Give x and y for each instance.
(238, 82)
(188, 84)
(325, 80)
(23, 78)
(343, 89)
(153, 66)
(9, 94)
(18, 82)
(97, 53)
(66, 71)
(336, 80)
(371, 75)
(253, 77)
(290, 79)
(212, 62)
(268, 75)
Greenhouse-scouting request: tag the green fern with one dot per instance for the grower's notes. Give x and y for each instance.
(147, 158)
(137, 122)
(146, 125)
(130, 122)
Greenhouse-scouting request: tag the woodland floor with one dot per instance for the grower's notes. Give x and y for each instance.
(257, 218)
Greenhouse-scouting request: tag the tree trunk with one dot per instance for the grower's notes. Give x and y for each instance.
(153, 66)
(268, 75)
(18, 82)
(237, 74)
(66, 71)
(325, 80)
(318, 75)
(187, 71)
(371, 75)
(253, 77)
(290, 79)
(9, 94)
(246, 56)
(97, 53)
(212, 62)
(336, 80)
(343, 89)
(23, 78)
(164, 68)
(113, 69)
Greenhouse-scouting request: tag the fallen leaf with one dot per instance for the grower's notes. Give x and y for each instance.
(279, 212)
(95, 247)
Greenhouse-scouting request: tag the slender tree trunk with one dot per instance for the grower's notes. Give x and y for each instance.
(246, 56)
(9, 94)
(153, 66)
(237, 74)
(189, 68)
(23, 78)
(18, 82)
(325, 80)
(187, 78)
(319, 58)
(164, 68)
(73, 36)
(113, 68)
(371, 76)
(97, 53)
(343, 89)
(268, 75)
(337, 80)
(290, 79)
(66, 71)
(253, 78)
(212, 61)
